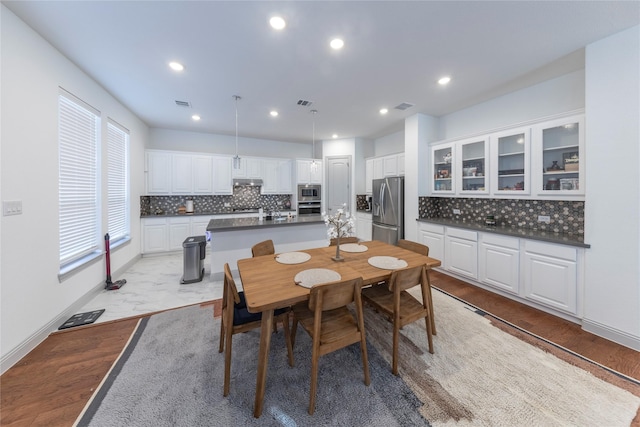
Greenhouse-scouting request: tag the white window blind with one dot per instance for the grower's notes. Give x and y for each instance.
(117, 182)
(78, 180)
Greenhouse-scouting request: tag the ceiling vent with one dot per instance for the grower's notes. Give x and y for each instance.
(403, 106)
(183, 104)
(303, 103)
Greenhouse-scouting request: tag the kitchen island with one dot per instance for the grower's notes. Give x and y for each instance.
(232, 238)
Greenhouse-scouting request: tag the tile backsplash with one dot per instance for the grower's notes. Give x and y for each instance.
(243, 197)
(565, 216)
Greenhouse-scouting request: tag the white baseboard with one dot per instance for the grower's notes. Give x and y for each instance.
(611, 334)
(20, 351)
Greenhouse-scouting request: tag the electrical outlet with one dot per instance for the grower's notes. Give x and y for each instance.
(544, 218)
(227, 205)
(456, 211)
(11, 207)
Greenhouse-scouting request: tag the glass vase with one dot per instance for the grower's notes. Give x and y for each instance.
(338, 257)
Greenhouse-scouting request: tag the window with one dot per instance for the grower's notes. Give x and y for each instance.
(79, 202)
(117, 183)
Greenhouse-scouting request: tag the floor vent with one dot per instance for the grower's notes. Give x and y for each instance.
(183, 104)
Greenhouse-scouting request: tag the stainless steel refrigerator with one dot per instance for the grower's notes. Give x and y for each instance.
(388, 209)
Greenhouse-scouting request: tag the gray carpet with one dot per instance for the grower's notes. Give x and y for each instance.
(172, 376)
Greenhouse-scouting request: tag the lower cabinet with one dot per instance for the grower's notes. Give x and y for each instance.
(550, 275)
(499, 262)
(179, 230)
(461, 252)
(155, 235)
(544, 275)
(364, 226)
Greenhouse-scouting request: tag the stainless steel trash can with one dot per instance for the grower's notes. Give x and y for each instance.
(194, 252)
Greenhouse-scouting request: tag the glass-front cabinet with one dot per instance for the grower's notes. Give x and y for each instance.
(471, 174)
(443, 169)
(559, 156)
(510, 162)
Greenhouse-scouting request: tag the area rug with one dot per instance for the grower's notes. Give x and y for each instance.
(171, 375)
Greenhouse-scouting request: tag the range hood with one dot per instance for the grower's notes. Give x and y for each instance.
(247, 182)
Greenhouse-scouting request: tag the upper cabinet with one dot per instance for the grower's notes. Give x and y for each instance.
(382, 167)
(250, 167)
(222, 182)
(276, 176)
(471, 166)
(443, 169)
(540, 160)
(307, 174)
(559, 152)
(158, 172)
(511, 172)
(368, 176)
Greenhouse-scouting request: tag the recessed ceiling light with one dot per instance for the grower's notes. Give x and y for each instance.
(334, 136)
(444, 80)
(384, 111)
(274, 113)
(337, 43)
(277, 22)
(195, 117)
(176, 66)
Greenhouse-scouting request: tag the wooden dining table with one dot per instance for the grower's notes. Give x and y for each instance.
(269, 285)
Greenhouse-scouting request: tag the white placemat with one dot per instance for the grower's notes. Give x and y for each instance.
(313, 276)
(353, 247)
(387, 262)
(293, 257)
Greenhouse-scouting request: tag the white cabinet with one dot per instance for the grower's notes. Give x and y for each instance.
(378, 168)
(181, 174)
(510, 171)
(432, 235)
(559, 156)
(199, 225)
(222, 181)
(443, 176)
(277, 176)
(202, 174)
(179, 230)
(368, 176)
(364, 226)
(401, 164)
(461, 252)
(158, 172)
(308, 174)
(390, 165)
(472, 160)
(155, 236)
(499, 262)
(250, 167)
(551, 275)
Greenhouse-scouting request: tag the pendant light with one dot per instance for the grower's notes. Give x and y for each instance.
(236, 158)
(314, 165)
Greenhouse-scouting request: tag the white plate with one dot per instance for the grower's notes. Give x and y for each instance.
(387, 262)
(353, 247)
(313, 276)
(293, 257)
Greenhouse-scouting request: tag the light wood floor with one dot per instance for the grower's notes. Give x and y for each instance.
(51, 385)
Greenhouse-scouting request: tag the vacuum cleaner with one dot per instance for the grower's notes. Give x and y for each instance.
(109, 285)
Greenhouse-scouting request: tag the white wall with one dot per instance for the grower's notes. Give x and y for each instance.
(612, 208)
(389, 144)
(166, 139)
(33, 302)
(555, 96)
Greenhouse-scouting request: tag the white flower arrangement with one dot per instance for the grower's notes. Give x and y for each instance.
(340, 224)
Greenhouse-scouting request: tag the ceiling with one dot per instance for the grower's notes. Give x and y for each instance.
(395, 51)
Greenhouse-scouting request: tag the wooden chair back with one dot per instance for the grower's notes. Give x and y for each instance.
(230, 290)
(413, 246)
(263, 248)
(343, 240)
(407, 278)
(329, 296)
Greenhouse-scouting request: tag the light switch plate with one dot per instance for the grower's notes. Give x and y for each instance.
(544, 218)
(11, 207)
(456, 211)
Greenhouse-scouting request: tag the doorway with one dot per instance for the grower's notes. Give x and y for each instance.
(338, 173)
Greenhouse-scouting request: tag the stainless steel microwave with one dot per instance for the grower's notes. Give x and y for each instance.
(309, 193)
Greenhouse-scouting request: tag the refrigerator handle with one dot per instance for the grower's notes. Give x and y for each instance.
(382, 197)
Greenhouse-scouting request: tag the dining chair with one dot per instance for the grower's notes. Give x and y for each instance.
(331, 325)
(343, 240)
(236, 319)
(392, 299)
(263, 248)
(422, 250)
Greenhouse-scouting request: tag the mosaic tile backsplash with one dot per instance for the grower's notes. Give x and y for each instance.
(243, 197)
(566, 216)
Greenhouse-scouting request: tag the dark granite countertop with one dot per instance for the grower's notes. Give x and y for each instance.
(219, 212)
(526, 233)
(229, 224)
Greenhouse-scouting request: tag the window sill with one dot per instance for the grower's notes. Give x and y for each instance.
(70, 269)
